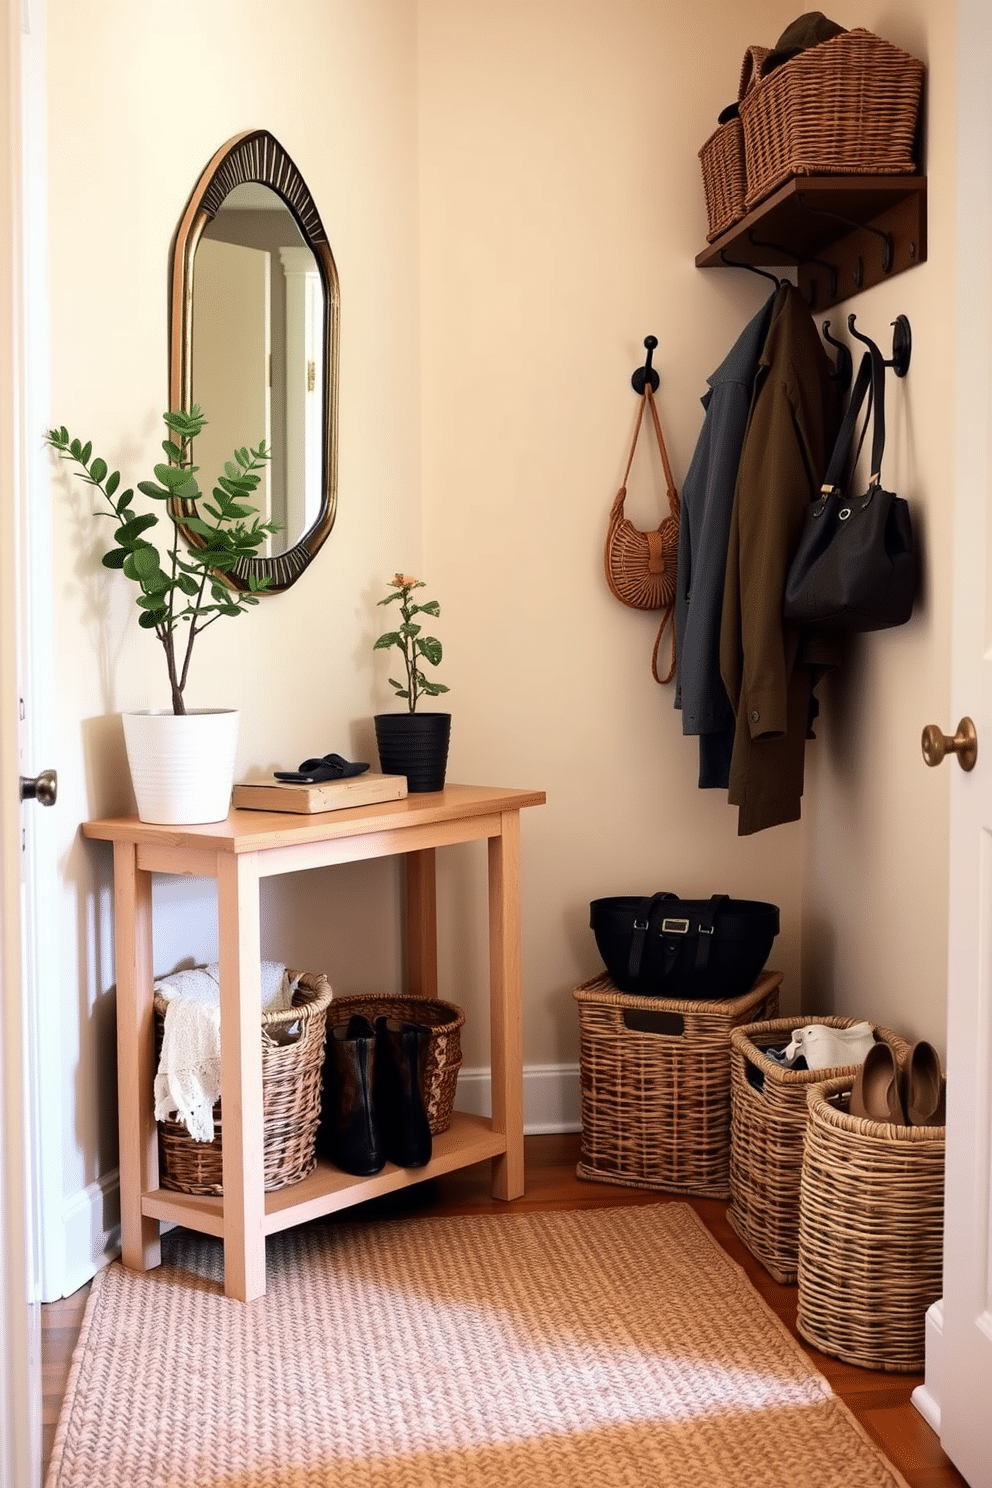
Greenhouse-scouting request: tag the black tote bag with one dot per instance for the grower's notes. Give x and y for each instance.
(658, 945)
(855, 566)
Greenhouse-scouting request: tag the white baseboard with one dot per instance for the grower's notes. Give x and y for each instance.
(927, 1397)
(551, 1097)
(91, 1223)
(91, 1220)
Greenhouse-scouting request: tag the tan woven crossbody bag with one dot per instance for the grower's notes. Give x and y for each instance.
(641, 566)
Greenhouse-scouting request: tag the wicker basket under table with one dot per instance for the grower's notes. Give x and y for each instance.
(846, 107)
(291, 1072)
(655, 1075)
(871, 1224)
(767, 1128)
(444, 1056)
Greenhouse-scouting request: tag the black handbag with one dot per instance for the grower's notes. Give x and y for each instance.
(855, 566)
(663, 946)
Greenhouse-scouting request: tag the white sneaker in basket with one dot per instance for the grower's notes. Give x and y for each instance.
(831, 1048)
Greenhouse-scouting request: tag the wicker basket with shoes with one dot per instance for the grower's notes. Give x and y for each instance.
(444, 1056)
(871, 1228)
(768, 1125)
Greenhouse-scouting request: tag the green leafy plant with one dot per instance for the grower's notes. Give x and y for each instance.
(415, 646)
(187, 588)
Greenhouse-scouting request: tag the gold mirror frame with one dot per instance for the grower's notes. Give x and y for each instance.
(256, 156)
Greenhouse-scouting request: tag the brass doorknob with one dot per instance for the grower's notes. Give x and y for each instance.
(964, 744)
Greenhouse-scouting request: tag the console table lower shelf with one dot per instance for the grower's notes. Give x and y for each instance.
(469, 1139)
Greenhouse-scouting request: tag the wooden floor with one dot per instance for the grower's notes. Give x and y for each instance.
(881, 1402)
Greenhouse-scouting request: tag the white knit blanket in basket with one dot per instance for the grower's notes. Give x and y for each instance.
(188, 1080)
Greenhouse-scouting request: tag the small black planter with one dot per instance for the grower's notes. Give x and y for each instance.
(414, 745)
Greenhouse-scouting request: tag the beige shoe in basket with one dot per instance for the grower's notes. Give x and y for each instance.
(876, 1090)
(923, 1086)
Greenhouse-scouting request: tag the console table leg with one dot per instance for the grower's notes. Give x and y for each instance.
(506, 1007)
(241, 1076)
(421, 924)
(140, 1245)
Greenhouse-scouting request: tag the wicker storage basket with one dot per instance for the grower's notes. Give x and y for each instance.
(722, 158)
(290, 1094)
(845, 107)
(655, 1075)
(871, 1221)
(767, 1128)
(445, 1056)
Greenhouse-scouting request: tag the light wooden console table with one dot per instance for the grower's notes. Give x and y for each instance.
(239, 853)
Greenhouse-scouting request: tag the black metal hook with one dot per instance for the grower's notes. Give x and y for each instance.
(886, 238)
(807, 258)
(844, 368)
(646, 373)
(902, 343)
(733, 263)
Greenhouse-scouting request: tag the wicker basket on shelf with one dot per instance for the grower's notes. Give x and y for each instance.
(292, 1060)
(722, 161)
(848, 106)
(768, 1125)
(445, 1053)
(871, 1225)
(655, 1077)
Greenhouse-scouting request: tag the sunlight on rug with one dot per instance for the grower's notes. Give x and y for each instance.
(609, 1347)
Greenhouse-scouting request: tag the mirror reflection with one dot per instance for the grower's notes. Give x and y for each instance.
(254, 326)
(258, 314)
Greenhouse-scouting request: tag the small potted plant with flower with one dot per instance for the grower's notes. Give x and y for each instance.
(180, 594)
(411, 743)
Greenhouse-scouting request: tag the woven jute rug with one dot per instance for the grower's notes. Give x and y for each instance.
(602, 1347)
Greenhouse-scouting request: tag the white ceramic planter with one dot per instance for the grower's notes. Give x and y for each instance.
(182, 766)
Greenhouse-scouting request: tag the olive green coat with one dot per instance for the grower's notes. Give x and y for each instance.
(768, 666)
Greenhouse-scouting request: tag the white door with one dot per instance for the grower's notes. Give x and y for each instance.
(19, 1372)
(25, 829)
(966, 1370)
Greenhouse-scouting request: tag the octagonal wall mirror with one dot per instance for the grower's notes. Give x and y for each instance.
(254, 341)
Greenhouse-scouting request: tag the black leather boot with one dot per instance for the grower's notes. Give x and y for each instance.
(401, 1054)
(348, 1133)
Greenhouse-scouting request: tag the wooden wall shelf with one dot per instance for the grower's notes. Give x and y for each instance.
(844, 233)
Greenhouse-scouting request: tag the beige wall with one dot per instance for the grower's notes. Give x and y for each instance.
(140, 98)
(562, 208)
(513, 198)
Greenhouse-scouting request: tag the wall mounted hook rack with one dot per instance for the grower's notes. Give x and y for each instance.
(733, 263)
(646, 374)
(902, 343)
(787, 254)
(843, 233)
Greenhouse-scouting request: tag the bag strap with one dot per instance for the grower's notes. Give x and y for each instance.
(649, 917)
(878, 427)
(647, 913)
(834, 477)
(870, 381)
(647, 400)
(667, 617)
(707, 930)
